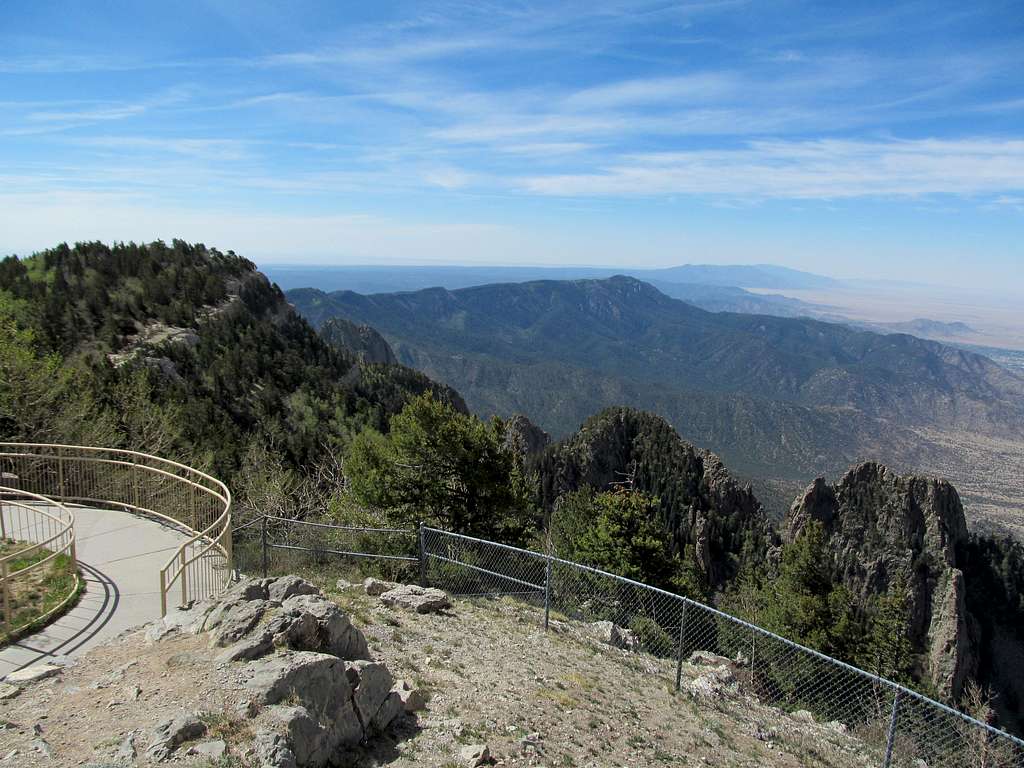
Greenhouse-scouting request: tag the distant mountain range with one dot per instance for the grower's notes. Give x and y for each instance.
(715, 288)
(781, 399)
(370, 279)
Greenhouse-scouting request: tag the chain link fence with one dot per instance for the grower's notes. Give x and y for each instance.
(276, 545)
(898, 727)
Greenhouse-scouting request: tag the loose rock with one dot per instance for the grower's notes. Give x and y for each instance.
(376, 587)
(171, 734)
(33, 673)
(412, 597)
(475, 755)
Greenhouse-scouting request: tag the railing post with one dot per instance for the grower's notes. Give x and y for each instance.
(679, 649)
(891, 738)
(547, 592)
(263, 536)
(60, 472)
(184, 578)
(229, 546)
(8, 610)
(163, 593)
(423, 554)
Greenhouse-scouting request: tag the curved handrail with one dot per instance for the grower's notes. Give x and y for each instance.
(27, 517)
(192, 501)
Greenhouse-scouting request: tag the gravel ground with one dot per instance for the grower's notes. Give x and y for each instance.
(493, 676)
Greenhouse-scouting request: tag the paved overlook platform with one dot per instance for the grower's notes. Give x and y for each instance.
(119, 556)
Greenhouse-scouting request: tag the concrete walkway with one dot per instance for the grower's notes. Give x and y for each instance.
(120, 556)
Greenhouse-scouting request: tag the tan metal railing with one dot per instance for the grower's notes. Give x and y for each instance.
(33, 524)
(191, 501)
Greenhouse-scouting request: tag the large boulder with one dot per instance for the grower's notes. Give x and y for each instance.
(412, 597)
(313, 688)
(311, 623)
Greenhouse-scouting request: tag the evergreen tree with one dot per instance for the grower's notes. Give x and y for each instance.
(439, 465)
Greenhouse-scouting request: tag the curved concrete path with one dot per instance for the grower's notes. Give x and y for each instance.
(120, 556)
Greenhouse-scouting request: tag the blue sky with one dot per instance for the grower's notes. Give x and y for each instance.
(856, 139)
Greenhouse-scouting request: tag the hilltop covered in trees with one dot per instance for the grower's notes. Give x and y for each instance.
(182, 350)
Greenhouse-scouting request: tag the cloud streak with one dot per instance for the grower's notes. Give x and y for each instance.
(820, 170)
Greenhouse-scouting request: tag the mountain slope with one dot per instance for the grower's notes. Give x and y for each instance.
(703, 509)
(778, 398)
(212, 356)
(622, 324)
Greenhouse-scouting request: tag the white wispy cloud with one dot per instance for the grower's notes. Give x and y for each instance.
(696, 88)
(823, 169)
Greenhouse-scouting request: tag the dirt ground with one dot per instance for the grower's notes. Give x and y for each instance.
(493, 676)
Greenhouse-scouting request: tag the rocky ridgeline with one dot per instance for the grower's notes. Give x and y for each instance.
(885, 530)
(312, 689)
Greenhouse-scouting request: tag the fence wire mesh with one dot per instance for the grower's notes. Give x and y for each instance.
(276, 545)
(897, 726)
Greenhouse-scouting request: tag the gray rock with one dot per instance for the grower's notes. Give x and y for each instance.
(42, 746)
(8, 691)
(127, 752)
(246, 590)
(412, 699)
(365, 342)
(391, 708)
(273, 750)
(316, 624)
(177, 620)
(282, 588)
(237, 621)
(412, 597)
(614, 635)
(372, 683)
(803, 716)
(170, 734)
(318, 680)
(211, 750)
(252, 647)
(33, 674)
(375, 587)
(475, 755)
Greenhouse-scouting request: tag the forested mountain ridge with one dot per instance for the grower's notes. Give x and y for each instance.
(780, 399)
(620, 323)
(197, 347)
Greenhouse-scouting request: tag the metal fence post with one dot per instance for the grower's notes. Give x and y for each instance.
(547, 592)
(263, 537)
(423, 554)
(679, 650)
(891, 739)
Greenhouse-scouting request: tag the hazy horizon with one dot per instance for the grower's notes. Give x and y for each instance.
(876, 141)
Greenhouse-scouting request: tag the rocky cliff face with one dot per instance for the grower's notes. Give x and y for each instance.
(887, 530)
(524, 437)
(362, 340)
(701, 505)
